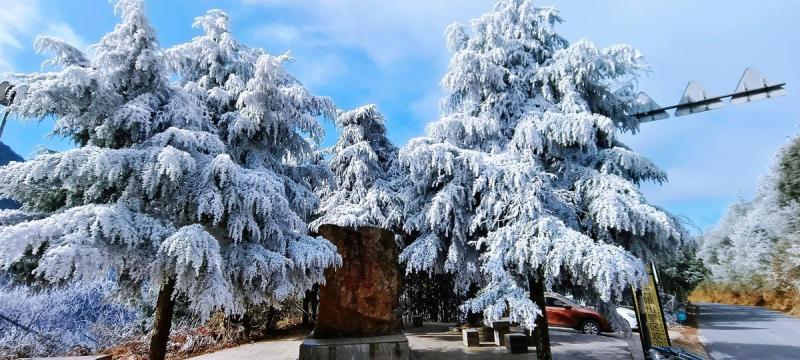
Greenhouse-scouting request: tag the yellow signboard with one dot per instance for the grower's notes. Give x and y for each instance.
(654, 318)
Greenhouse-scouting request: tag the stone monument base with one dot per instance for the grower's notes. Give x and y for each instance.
(392, 347)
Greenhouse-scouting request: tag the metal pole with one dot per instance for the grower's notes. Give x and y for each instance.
(713, 99)
(5, 100)
(3, 123)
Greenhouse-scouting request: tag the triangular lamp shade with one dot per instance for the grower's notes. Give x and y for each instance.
(755, 86)
(644, 108)
(695, 99)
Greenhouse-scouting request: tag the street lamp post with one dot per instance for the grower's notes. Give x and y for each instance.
(6, 96)
(752, 86)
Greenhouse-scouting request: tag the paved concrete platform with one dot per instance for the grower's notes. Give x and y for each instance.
(90, 357)
(435, 341)
(286, 349)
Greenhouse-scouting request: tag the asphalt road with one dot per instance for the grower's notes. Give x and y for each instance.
(746, 332)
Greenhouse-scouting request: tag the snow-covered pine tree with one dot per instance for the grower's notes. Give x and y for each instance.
(6, 156)
(739, 251)
(262, 113)
(198, 189)
(755, 246)
(364, 165)
(524, 177)
(788, 250)
(788, 181)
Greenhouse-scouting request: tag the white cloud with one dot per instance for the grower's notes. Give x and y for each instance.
(322, 70)
(712, 157)
(387, 31)
(17, 20)
(21, 22)
(64, 32)
(426, 108)
(282, 34)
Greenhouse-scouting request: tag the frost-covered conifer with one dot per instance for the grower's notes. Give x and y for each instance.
(202, 186)
(755, 246)
(524, 172)
(789, 168)
(56, 321)
(364, 165)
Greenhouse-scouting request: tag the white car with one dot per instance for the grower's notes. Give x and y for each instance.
(629, 315)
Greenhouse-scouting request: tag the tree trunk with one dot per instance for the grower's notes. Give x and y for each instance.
(310, 302)
(473, 318)
(314, 304)
(307, 308)
(162, 321)
(541, 333)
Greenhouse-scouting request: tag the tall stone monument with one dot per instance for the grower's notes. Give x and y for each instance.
(358, 315)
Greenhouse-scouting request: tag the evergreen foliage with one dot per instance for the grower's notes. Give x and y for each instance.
(193, 164)
(364, 164)
(789, 167)
(756, 245)
(6, 156)
(56, 321)
(682, 275)
(525, 171)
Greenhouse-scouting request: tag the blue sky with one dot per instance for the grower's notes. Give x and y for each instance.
(392, 53)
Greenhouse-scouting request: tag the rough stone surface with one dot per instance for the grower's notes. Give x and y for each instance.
(416, 321)
(498, 324)
(488, 334)
(499, 335)
(394, 347)
(361, 298)
(529, 334)
(471, 337)
(516, 343)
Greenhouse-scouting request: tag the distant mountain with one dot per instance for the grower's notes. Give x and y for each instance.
(7, 155)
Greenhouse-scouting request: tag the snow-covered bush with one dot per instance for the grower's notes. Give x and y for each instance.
(59, 320)
(682, 274)
(524, 172)
(192, 170)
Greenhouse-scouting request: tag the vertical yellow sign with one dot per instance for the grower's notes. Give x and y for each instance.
(656, 327)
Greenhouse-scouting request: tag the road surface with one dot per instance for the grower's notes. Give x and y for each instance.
(747, 332)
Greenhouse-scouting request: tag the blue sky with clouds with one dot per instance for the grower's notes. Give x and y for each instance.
(392, 53)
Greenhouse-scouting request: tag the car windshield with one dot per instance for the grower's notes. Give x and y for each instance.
(559, 301)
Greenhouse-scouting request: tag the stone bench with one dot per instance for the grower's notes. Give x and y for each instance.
(495, 330)
(516, 343)
(416, 321)
(497, 323)
(500, 335)
(488, 334)
(529, 334)
(471, 337)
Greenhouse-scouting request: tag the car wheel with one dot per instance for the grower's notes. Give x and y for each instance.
(590, 327)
